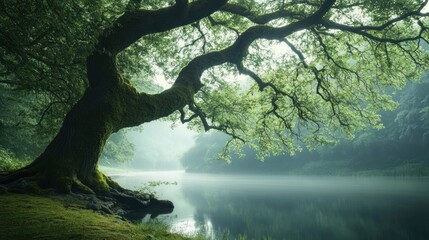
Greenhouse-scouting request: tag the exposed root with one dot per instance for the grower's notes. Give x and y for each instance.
(8, 177)
(79, 187)
(113, 200)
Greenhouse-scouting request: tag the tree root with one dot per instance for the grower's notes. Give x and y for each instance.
(116, 200)
(8, 177)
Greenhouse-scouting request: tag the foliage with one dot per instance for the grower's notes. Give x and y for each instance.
(273, 75)
(35, 94)
(398, 149)
(315, 85)
(412, 117)
(43, 73)
(148, 188)
(8, 160)
(42, 64)
(17, 133)
(118, 149)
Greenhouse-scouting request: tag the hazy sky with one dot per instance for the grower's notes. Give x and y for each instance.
(158, 145)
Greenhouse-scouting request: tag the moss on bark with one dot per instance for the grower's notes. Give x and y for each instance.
(110, 103)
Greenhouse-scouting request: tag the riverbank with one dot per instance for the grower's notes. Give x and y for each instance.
(25, 216)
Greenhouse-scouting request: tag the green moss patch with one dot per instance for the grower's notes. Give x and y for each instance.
(36, 217)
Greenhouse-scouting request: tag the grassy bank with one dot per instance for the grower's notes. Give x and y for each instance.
(36, 217)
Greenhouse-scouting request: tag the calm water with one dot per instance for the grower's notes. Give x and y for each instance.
(285, 207)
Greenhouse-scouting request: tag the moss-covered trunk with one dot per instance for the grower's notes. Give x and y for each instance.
(70, 160)
(110, 103)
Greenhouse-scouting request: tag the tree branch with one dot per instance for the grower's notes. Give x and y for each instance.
(296, 51)
(134, 24)
(215, 22)
(188, 81)
(198, 112)
(133, 5)
(364, 30)
(236, 52)
(183, 118)
(259, 19)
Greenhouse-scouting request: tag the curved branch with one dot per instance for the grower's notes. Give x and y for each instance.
(183, 118)
(188, 81)
(364, 30)
(259, 19)
(201, 36)
(50, 105)
(331, 24)
(239, 10)
(202, 116)
(134, 24)
(215, 22)
(236, 52)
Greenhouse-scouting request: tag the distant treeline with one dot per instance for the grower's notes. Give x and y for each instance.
(401, 148)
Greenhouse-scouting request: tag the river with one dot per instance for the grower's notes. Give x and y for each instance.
(291, 207)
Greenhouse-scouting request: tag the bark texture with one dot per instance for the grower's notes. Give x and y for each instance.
(110, 103)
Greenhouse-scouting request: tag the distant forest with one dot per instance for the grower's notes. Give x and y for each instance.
(401, 148)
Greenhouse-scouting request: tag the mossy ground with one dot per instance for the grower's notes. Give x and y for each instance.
(38, 217)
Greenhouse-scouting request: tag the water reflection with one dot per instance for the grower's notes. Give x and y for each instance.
(299, 207)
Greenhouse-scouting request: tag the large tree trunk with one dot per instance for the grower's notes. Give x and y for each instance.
(110, 103)
(70, 160)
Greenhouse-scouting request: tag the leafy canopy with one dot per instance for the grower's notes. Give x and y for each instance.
(313, 85)
(298, 72)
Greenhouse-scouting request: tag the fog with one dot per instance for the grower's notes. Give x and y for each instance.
(159, 146)
(290, 207)
(372, 187)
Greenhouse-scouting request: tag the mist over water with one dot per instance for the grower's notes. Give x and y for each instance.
(293, 207)
(159, 146)
(282, 199)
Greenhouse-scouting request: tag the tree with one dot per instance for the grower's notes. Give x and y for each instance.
(316, 68)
